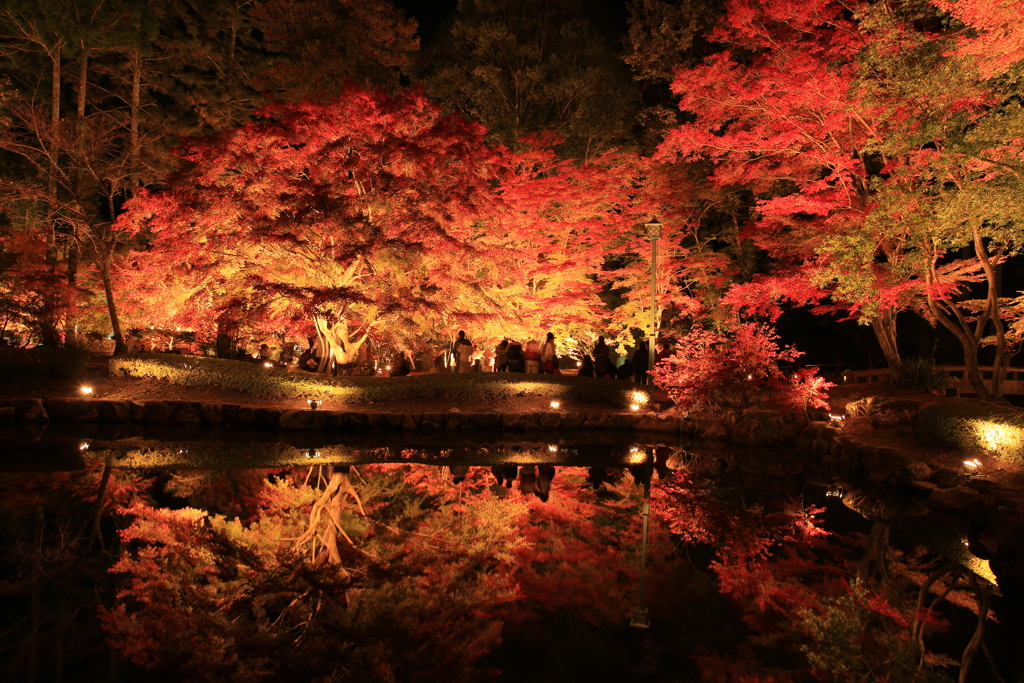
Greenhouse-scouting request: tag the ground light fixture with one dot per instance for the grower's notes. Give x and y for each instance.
(972, 467)
(634, 407)
(84, 446)
(555, 405)
(88, 392)
(312, 453)
(835, 492)
(268, 365)
(553, 448)
(313, 403)
(835, 420)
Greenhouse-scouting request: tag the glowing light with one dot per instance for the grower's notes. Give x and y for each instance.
(312, 453)
(994, 437)
(555, 405)
(972, 464)
(313, 404)
(177, 329)
(84, 446)
(579, 363)
(387, 367)
(634, 407)
(836, 420)
(87, 391)
(636, 456)
(268, 365)
(553, 448)
(640, 397)
(835, 492)
(750, 377)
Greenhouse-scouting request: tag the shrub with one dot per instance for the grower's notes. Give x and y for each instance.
(973, 424)
(921, 374)
(880, 406)
(714, 371)
(40, 362)
(483, 387)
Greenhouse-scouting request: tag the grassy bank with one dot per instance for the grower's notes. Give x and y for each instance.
(483, 388)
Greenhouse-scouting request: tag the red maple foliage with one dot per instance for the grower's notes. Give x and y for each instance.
(716, 370)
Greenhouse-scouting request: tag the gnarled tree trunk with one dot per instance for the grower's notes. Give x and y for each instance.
(884, 325)
(338, 344)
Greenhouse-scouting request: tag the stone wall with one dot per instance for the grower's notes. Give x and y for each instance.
(225, 414)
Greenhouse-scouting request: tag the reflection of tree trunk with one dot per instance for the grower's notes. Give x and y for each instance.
(35, 599)
(100, 493)
(884, 325)
(876, 547)
(983, 594)
(331, 502)
(917, 628)
(58, 637)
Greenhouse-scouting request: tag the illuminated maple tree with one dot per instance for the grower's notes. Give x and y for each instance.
(368, 211)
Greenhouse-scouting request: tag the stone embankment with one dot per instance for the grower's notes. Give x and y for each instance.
(193, 413)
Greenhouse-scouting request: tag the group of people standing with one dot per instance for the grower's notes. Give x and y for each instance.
(509, 355)
(534, 357)
(633, 367)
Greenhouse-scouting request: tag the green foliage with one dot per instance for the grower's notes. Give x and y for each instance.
(41, 361)
(973, 424)
(522, 67)
(921, 374)
(849, 641)
(256, 380)
(879, 406)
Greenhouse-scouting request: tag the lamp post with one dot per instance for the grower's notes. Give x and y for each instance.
(653, 234)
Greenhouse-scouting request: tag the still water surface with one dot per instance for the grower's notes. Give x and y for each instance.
(221, 555)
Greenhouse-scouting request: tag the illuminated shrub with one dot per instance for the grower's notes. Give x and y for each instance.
(483, 388)
(973, 424)
(713, 370)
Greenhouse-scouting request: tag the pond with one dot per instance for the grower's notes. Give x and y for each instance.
(256, 556)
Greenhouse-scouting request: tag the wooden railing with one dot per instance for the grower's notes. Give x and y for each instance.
(1013, 384)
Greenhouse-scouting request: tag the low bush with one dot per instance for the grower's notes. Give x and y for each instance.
(877, 406)
(482, 388)
(973, 424)
(921, 374)
(41, 362)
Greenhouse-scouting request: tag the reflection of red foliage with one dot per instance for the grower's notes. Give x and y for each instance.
(788, 581)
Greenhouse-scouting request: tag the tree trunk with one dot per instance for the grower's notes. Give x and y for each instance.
(133, 131)
(337, 344)
(884, 325)
(967, 333)
(115, 321)
(53, 152)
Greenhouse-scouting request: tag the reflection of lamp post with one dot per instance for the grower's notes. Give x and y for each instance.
(653, 234)
(640, 618)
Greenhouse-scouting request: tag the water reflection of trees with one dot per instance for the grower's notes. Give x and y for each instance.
(402, 572)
